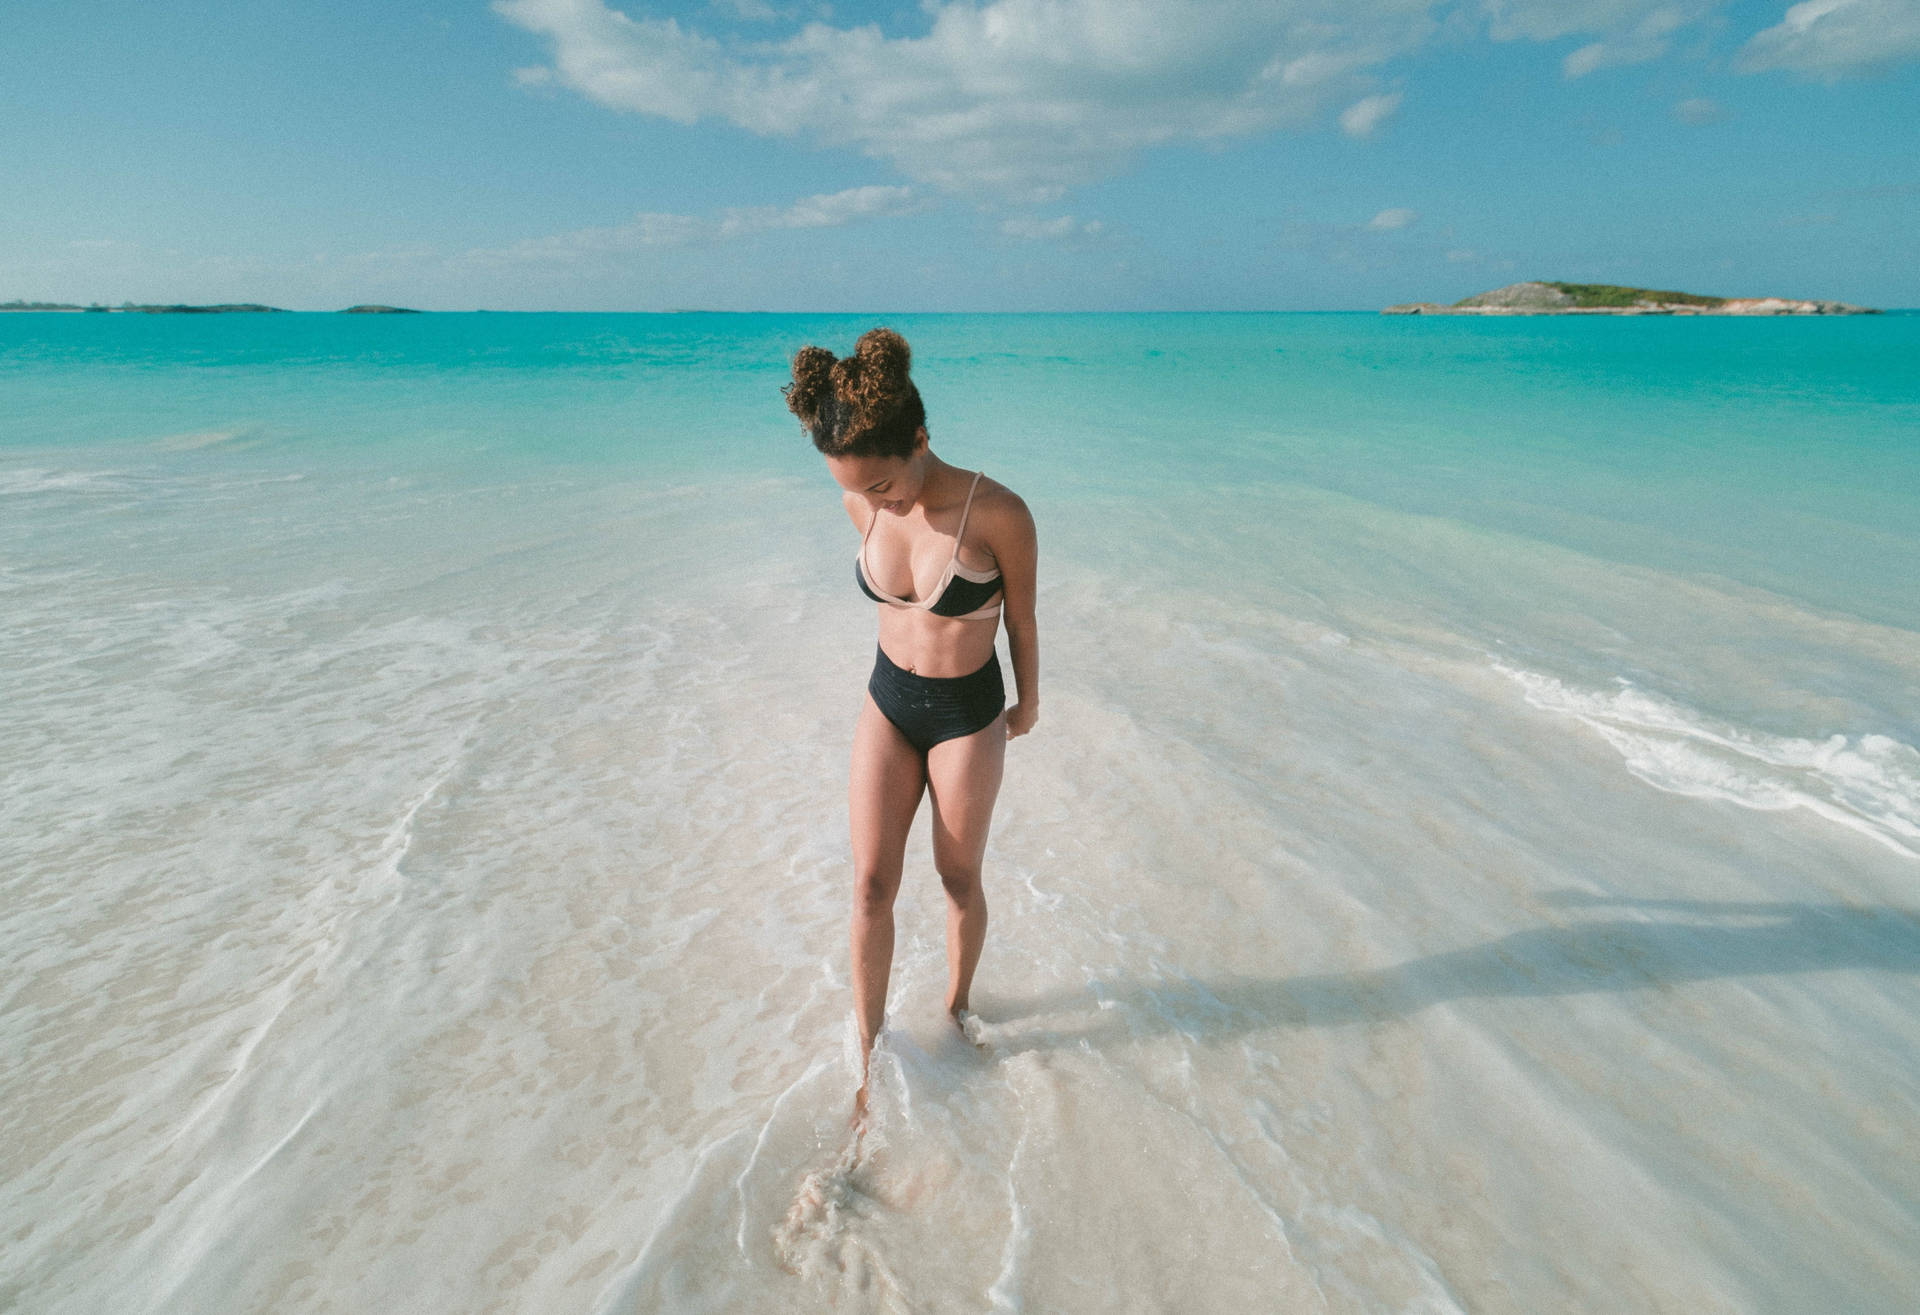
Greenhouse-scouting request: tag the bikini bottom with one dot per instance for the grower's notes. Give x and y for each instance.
(929, 709)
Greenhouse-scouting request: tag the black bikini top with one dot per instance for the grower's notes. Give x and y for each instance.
(960, 593)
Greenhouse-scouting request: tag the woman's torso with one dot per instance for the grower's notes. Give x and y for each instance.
(907, 557)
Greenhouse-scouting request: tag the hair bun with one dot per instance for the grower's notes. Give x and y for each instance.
(874, 379)
(812, 382)
(885, 353)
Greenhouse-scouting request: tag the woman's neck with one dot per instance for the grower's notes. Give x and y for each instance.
(939, 475)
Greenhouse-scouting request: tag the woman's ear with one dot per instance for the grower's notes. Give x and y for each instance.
(920, 439)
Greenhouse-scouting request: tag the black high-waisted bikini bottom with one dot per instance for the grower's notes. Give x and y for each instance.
(929, 709)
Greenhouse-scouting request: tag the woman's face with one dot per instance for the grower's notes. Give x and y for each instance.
(890, 484)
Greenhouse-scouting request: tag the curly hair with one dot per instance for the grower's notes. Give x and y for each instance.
(863, 405)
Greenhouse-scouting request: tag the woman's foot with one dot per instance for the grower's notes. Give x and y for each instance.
(866, 1080)
(969, 1024)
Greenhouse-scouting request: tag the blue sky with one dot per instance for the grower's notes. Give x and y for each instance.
(1002, 155)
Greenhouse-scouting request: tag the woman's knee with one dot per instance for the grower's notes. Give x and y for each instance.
(961, 880)
(874, 889)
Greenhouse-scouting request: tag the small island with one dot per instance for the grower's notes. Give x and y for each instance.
(226, 308)
(1612, 299)
(133, 308)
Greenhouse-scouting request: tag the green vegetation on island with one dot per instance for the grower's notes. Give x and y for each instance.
(1542, 298)
(230, 308)
(1588, 295)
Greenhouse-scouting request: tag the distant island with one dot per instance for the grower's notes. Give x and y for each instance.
(1612, 299)
(229, 308)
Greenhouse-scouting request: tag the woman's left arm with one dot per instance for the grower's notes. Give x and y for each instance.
(1016, 548)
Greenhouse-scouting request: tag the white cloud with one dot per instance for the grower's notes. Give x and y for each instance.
(1644, 40)
(1388, 220)
(1628, 31)
(1549, 20)
(1699, 110)
(1023, 97)
(658, 229)
(829, 210)
(1832, 38)
(1031, 228)
(1364, 115)
(1461, 256)
(1027, 98)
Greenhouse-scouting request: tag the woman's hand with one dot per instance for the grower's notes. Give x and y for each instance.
(1020, 719)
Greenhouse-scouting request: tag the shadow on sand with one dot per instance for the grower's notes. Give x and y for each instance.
(1688, 941)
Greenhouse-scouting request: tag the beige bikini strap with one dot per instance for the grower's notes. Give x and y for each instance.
(965, 512)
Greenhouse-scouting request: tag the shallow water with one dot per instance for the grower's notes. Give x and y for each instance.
(1466, 862)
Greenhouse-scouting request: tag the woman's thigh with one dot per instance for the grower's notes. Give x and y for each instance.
(883, 793)
(963, 776)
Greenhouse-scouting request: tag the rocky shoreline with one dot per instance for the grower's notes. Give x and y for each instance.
(1612, 299)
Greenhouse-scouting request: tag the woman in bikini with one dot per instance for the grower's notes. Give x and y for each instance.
(946, 553)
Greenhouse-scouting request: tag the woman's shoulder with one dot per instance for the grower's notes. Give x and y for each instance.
(857, 510)
(998, 508)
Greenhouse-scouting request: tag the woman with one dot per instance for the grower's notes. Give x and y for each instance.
(946, 553)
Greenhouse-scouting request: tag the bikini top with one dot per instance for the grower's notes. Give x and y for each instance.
(960, 593)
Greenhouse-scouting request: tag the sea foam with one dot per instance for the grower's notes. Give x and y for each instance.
(1869, 783)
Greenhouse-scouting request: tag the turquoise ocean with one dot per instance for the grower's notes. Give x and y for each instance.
(1468, 859)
